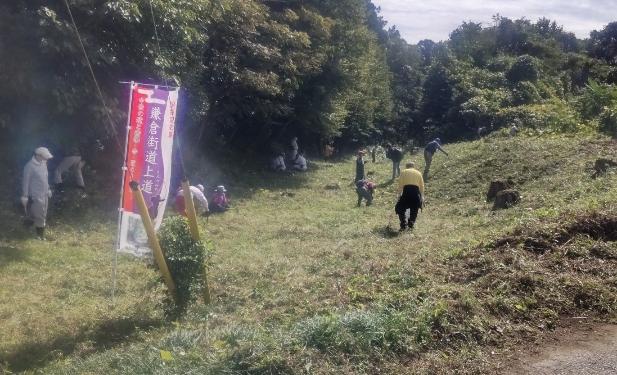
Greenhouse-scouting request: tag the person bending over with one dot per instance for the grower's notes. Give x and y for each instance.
(411, 193)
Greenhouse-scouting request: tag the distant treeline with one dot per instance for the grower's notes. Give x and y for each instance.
(255, 73)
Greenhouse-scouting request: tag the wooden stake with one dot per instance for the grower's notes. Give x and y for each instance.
(191, 214)
(153, 241)
(190, 209)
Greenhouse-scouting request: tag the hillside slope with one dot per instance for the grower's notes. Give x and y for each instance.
(303, 281)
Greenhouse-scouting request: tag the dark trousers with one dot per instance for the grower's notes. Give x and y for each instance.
(366, 194)
(410, 200)
(396, 169)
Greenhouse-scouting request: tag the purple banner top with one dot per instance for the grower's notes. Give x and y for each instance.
(153, 174)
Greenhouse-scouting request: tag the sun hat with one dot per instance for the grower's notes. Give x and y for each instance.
(43, 152)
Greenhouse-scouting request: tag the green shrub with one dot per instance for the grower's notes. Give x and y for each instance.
(186, 259)
(501, 63)
(555, 116)
(596, 98)
(608, 121)
(525, 92)
(525, 68)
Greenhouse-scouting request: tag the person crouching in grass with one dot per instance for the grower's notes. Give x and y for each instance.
(365, 190)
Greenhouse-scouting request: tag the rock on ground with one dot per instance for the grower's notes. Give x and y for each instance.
(497, 186)
(506, 199)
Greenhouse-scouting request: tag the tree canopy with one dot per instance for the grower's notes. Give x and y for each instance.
(254, 73)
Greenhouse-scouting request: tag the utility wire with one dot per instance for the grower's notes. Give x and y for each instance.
(156, 37)
(111, 126)
(158, 47)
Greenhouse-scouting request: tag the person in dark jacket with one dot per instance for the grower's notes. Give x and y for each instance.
(360, 166)
(430, 150)
(396, 155)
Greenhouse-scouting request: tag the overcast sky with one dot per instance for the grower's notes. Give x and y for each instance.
(435, 19)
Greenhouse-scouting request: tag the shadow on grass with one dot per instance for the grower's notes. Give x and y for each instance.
(385, 231)
(248, 185)
(12, 224)
(31, 356)
(9, 254)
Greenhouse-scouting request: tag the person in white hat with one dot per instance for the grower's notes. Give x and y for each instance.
(35, 190)
(219, 201)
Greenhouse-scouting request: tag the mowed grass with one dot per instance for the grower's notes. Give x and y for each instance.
(303, 281)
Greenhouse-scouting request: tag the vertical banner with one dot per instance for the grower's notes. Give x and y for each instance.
(148, 161)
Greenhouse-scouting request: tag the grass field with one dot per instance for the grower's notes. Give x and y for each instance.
(305, 282)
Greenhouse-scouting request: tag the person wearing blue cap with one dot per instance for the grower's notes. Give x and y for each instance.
(430, 150)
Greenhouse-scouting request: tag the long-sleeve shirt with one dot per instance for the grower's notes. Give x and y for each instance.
(394, 154)
(199, 197)
(411, 176)
(300, 163)
(278, 163)
(35, 182)
(220, 199)
(433, 146)
(70, 162)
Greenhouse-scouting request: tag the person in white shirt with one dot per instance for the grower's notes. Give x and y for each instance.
(278, 163)
(201, 205)
(70, 164)
(293, 150)
(299, 163)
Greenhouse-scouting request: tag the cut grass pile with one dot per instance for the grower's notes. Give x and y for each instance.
(305, 282)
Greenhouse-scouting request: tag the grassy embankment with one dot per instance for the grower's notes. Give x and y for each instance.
(304, 281)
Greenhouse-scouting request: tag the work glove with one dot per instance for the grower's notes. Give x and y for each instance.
(24, 201)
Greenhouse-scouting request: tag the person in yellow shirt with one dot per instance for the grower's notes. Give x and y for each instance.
(411, 193)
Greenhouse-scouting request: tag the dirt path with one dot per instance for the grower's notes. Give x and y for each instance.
(583, 348)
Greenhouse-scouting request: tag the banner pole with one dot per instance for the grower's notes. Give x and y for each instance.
(124, 169)
(153, 241)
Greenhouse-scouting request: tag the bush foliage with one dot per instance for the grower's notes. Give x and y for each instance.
(186, 260)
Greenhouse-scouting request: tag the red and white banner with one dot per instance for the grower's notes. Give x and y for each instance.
(148, 161)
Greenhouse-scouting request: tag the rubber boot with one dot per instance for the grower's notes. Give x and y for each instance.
(40, 233)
